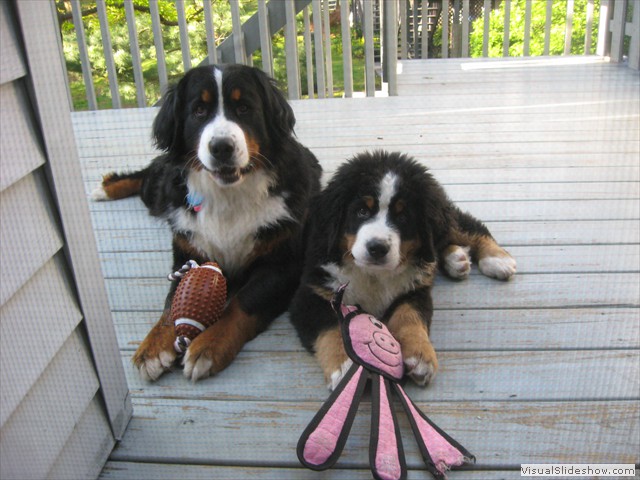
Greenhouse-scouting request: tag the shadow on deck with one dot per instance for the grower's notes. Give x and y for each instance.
(541, 369)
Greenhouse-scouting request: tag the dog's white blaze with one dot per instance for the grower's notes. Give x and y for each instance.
(388, 188)
(378, 228)
(221, 127)
(217, 73)
(224, 229)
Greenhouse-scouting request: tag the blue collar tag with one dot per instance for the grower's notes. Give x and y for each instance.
(194, 201)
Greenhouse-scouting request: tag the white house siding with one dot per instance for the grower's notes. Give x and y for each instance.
(63, 398)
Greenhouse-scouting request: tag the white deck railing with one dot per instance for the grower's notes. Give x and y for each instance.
(391, 30)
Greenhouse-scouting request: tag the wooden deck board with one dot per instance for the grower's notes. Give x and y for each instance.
(505, 210)
(531, 259)
(540, 369)
(522, 375)
(163, 471)
(549, 290)
(500, 434)
(520, 329)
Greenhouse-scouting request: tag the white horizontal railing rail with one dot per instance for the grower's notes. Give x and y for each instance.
(366, 37)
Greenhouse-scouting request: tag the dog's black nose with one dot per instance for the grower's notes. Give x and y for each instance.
(222, 149)
(377, 249)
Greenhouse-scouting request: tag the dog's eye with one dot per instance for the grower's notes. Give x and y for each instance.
(242, 110)
(363, 213)
(200, 111)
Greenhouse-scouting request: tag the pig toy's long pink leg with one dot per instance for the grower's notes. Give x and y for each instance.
(322, 441)
(386, 457)
(439, 451)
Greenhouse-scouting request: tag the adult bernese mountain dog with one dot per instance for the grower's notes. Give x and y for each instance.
(383, 224)
(234, 185)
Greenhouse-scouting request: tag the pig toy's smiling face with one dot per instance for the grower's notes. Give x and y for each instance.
(374, 345)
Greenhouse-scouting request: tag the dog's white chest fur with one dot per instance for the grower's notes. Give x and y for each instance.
(226, 225)
(375, 292)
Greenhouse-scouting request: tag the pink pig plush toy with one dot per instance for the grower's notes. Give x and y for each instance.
(377, 356)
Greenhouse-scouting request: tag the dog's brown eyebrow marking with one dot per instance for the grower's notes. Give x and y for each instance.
(236, 94)
(206, 96)
(400, 206)
(369, 201)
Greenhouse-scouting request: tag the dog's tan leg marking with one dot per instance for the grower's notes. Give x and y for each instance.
(407, 326)
(156, 354)
(331, 356)
(214, 349)
(493, 260)
(457, 261)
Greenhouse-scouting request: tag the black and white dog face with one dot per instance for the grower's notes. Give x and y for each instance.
(225, 119)
(380, 230)
(223, 146)
(380, 213)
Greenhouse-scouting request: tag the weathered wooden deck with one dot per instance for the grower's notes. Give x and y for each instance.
(542, 369)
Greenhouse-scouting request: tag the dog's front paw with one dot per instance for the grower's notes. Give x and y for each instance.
(457, 262)
(152, 366)
(332, 356)
(501, 267)
(197, 365)
(210, 352)
(202, 358)
(156, 353)
(421, 365)
(337, 376)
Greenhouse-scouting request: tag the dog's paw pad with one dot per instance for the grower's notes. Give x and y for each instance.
(151, 369)
(502, 267)
(457, 263)
(196, 368)
(167, 359)
(338, 375)
(420, 370)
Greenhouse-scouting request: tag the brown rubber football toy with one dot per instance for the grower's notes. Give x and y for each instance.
(198, 302)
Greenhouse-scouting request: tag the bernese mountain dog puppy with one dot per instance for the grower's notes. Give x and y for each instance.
(234, 185)
(383, 225)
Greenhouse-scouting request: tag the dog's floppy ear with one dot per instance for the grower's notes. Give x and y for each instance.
(167, 125)
(328, 213)
(427, 251)
(277, 108)
(432, 210)
(436, 222)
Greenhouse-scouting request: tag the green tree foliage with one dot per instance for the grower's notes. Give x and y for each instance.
(537, 32)
(194, 12)
(121, 44)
